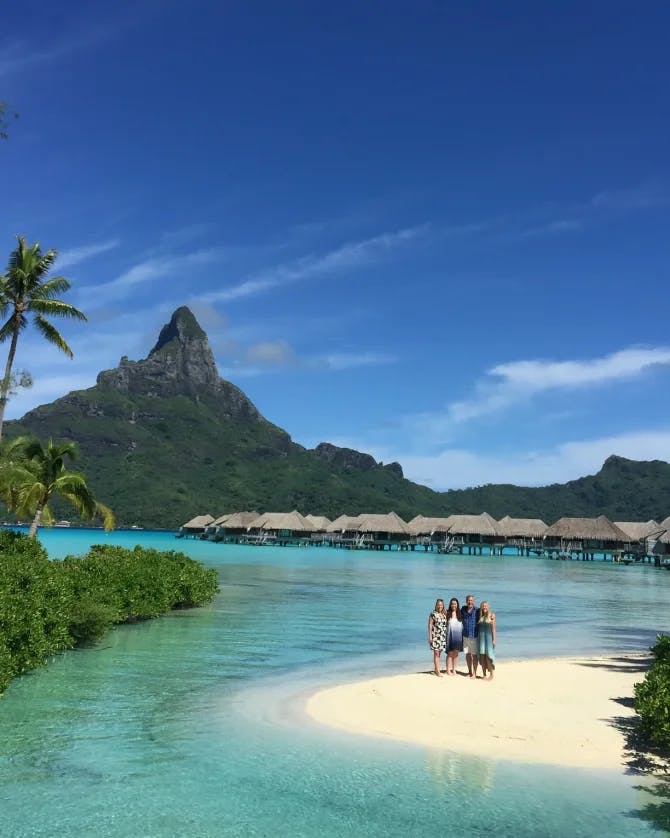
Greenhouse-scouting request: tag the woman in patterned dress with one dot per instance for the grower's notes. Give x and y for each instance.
(454, 635)
(437, 634)
(487, 640)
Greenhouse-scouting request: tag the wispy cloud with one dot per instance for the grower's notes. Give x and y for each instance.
(75, 255)
(644, 196)
(147, 270)
(351, 360)
(345, 258)
(507, 384)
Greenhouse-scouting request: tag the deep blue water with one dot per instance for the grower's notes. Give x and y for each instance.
(192, 724)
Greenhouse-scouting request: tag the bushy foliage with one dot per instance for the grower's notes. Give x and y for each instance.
(46, 606)
(652, 696)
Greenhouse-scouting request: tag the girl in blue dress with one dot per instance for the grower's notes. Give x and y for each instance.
(487, 640)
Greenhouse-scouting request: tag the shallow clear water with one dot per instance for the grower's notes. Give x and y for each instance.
(192, 724)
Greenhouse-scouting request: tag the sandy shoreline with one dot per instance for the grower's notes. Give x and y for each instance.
(558, 711)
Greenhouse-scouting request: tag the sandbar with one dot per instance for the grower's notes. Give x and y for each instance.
(559, 711)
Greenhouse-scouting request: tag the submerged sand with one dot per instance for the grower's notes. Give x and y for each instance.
(560, 712)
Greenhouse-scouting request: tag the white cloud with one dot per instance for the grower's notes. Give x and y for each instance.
(75, 255)
(45, 389)
(347, 257)
(510, 383)
(456, 468)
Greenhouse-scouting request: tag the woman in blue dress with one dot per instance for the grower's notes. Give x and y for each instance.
(487, 640)
(454, 635)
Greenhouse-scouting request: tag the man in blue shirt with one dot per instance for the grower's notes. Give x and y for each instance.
(470, 616)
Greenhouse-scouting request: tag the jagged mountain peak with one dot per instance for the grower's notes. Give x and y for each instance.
(180, 363)
(183, 329)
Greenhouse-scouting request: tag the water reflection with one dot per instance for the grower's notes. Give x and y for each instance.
(448, 769)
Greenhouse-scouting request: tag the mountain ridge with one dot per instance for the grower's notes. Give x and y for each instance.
(165, 438)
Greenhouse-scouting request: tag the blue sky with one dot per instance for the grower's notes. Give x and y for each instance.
(434, 231)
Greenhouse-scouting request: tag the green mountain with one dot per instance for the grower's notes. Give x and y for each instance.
(166, 438)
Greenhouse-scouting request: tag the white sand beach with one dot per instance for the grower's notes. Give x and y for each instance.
(558, 711)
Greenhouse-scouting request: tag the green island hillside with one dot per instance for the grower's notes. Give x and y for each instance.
(166, 438)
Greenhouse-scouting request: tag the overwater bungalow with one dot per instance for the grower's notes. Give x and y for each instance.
(320, 522)
(195, 527)
(585, 536)
(211, 529)
(471, 533)
(642, 534)
(526, 534)
(234, 525)
(661, 549)
(381, 531)
(280, 528)
(342, 531)
(431, 533)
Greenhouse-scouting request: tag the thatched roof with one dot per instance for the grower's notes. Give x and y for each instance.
(344, 523)
(638, 530)
(282, 521)
(198, 523)
(482, 524)
(420, 525)
(240, 520)
(665, 524)
(390, 523)
(664, 537)
(320, 522)
(521, 527)
(596, 529)
(220, 520)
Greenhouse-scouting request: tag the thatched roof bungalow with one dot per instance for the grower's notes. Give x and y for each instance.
(345, 523)
(238, 522)
(521, 527)
(420, 525)
(196, 525)
(383, 527)
(639, 530)
(473, 529)
(321, 523)
(585, 534)
(283, 524)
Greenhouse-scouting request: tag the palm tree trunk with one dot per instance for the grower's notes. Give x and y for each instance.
(6, 381)
(32, 532)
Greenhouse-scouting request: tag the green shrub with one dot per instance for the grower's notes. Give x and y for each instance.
(46, 607)
(652, 696)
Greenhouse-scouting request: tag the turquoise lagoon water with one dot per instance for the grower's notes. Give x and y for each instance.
(193, 724)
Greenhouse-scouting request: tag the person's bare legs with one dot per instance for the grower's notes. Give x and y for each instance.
(436, 664)
(487, 665)
(472, 662)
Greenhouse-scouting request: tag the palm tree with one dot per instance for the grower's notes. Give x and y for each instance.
(31, 475)
(25, 290)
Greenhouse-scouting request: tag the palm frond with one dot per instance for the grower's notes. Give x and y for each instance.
(53, 286)
(108, 519)
(52, 334)
(55, 308)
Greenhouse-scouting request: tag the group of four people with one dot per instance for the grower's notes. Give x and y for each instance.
(468, 629)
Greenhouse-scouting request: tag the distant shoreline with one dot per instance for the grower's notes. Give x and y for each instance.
(555, 711)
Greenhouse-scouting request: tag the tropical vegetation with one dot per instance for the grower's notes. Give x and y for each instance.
(47, 607)
(652, 696)
(32, 474)
(26, 289)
